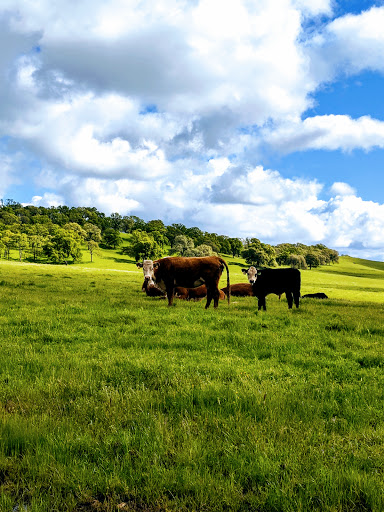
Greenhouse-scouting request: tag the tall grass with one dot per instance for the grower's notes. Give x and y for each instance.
(111, 400)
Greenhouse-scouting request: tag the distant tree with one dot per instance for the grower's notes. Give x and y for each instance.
(297, 261)
(93, 248)
(143, 246)
(225, 245)
(112, 238)
(21, 243)
(116, 221)
(76, 228)
(181, 245)
(259, 254)
(36, 243)
(7, 241)
(200, 250)
(312, 260)
(92, 232)
(174, 230)
(62, 245)
(236, 246)
(156, 226)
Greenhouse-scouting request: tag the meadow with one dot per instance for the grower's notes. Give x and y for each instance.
(110, 400)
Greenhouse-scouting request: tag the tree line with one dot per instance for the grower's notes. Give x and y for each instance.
(59, 233)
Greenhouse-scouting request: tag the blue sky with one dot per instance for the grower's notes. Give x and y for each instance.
(261, 119)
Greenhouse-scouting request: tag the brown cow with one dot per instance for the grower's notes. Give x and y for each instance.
(169, 272)
(240, 290)
(194, 293)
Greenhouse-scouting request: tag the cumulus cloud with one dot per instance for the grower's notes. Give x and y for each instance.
(329, 132)
(164, 109)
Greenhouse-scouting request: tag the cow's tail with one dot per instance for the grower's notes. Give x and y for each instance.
(228, 284)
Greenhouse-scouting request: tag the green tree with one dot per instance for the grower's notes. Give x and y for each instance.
(181, 245)
(116, 221)
(200, 250)
(21, 243)
(312, 260)
(93, 232)
(143, 246)
(236, 246)
(297, 261)
(112, 238)
(93, 248)
(62, 245)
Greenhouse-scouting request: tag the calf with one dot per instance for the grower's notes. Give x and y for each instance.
(319, 295)
(151, 290)
(277, 281)
(240, 290)
(171, 272)
(194, 293)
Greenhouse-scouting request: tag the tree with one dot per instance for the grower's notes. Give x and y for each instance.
(156, 225)
(92, 232)
(225, 245)
(92, 248)
(236, 246)
(312, 260)
(77, 229)
(200, 250)
(297, 261)
(143, 246)
(62, 245)
(181, 245)
(21, 243)
(112, 238)
(259, 254)
(116, 221)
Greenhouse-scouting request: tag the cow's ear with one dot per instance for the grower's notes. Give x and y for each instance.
(156, 264)
(139, 265)
(244, 270)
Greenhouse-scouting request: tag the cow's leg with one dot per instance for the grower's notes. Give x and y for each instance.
(209, 297)
(296, 297)
(289, 299)
(170, 294)
(264, 304)
(216, 297)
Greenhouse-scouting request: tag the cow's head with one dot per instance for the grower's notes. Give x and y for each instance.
(149, 267)
(251, 274)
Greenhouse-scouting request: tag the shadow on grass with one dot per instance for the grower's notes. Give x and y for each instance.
(119, 260)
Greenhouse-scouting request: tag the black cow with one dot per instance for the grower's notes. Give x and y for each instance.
(319, 295)
(277, 281)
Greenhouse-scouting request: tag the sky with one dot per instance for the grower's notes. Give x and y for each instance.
(245, 118)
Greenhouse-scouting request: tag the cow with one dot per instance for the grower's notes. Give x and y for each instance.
(194, 293)
(318, 295)
(240, 290)
(151, 290)
(277, 281)
(170, 272)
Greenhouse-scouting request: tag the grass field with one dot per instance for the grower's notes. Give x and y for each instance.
(110, 400)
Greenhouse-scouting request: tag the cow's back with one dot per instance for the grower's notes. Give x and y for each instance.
(278, 281)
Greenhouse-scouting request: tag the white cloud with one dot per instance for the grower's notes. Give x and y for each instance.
(342, 189)
(163, 108)
(329, 132)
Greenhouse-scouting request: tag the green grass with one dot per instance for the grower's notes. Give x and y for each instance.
(110, 400)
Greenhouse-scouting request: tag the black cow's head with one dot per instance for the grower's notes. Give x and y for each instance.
(251, 274)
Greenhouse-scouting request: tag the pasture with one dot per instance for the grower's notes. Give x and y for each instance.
(110, 400)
